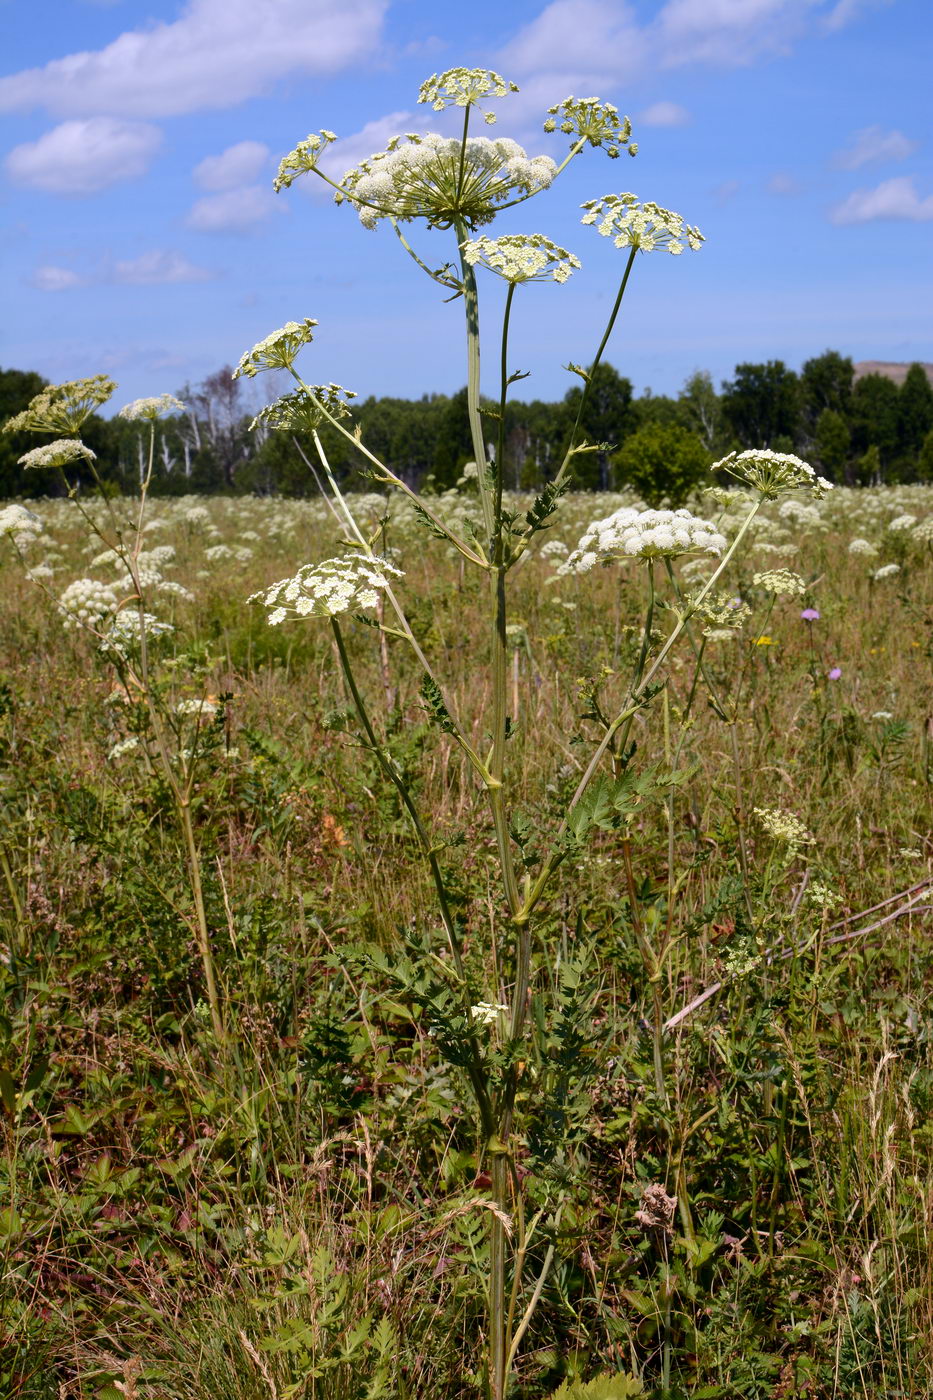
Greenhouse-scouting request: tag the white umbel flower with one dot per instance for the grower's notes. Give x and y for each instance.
(19, 524)
(278, 350)
(646, 534)
(87, 601)
(772, 473)
(781, 582)
(57, 454)
(148, 410)
(518, 257)
(328, 589)
(647, 227)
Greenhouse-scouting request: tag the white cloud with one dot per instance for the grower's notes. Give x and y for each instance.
(348, 151)
(728, 32)
(725, 192)
(845, 11)
(664, 114)
(234, 211)
(783, 183)
(217, 54)
(157, 267)
(82, 157)
(893, 199)
(237, 165)
(872, 145)
(55, 279)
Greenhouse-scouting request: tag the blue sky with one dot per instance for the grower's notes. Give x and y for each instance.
(140, 234)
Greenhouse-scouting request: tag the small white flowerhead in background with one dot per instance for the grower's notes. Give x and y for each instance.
(20, 525)
(486, 1013)
(865, 547)
(198, 708)
(328, 589)
(882, 716)
(782, 582)
(302, 159)
(784, 827)
(124, 747)
(520, 257)
(464, 87)
(57, 454)
(588, 119)
(123, 636)
(923, 533)
(886, 571)
(62, 408)
(643, 226)
(902, 522)
(646, 534)
(148, 410)
(278, 350)
(772, 473)
(304, 410)
(87, 602)
(721, 611)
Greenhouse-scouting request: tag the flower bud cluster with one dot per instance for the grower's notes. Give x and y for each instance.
(521, 257)
(648, 534)
(303, 410)
(644, 226)
(57, 454)
(486, 1013)
(782, 582)
(148, 410)
(126, 630)
(439, 179)
(772, 473)
(62, 408)
(328, 589)
(464, 87)
(278, 350)
(721, 610)
(784, 826)
(588, 119)
(302, 159)
(87, 601)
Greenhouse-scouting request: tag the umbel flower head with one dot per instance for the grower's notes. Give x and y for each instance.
(302, 159)
(326, 590)
(305, 409)
(441, 179)
(62, 408)
(278, 350)
(772, 473)
(643, 226)
(19, 524)
(588, 119)
(781, 582)
(464, 87)
(521, 257)
(646, 534)
(148, 410)
(57, 454)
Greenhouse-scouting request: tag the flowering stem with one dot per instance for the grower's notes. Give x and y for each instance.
(503, 392)
(471, 307)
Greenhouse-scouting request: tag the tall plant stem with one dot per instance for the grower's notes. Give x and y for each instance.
(471, 310)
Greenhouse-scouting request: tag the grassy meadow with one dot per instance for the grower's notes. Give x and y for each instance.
(723, 1179)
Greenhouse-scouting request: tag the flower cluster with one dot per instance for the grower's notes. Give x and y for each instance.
(486, 1013)
(328, 589)
(886, 571)
(87, 601)
(302, 159)
(782, 582)
(860, 546)
(719, 611)
(278, 350)
(784, 826)
(649, 534)
(62, 408)
(464, 87)
(772, 473)
(588, 119)
(20, 525)
(644, 226)
(303, 410)
(148, 410)
(57, 454)
(441, 179)
(123, 636)
(521, 257)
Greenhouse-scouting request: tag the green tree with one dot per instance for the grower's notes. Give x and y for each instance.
(701, 410)
(832, 440)
(826, 384)
(925, 460)
(661, 461)
(914, 411)
(762, 403)
(875, 401)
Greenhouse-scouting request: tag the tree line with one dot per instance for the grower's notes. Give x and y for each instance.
(862, 430)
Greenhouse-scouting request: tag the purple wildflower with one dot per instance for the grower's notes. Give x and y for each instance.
(810, 615)
(835, 673)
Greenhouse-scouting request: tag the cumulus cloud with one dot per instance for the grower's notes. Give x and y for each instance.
(783, 183)
(872, 145)
(892, 199)
(728, 32)
(845, 11)
(348, 151)
(664, 114)
(82, 157)
(234, 211)
(237, 165)
(55, 279)
(217, 54)
(158, 266)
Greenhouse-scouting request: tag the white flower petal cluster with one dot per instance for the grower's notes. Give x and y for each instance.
(886, 571)
(486, 1013)
(328, 589)
(464, 87)
(278, 350)
(923, 533)
(435, 178)
(126, 629)
(123, 747)
(197, 707)
(588, 119)
(20, 524)
(721, 611)
(772, 473)
(62, 408)
(57, 454)
(148, 410)
(784, 826)
(782, 582)
(860, 546)
(902, 522)
(302, 159)
(518, 257)
(305, 409)
(87, 602)
(648, 534)
(644, 226)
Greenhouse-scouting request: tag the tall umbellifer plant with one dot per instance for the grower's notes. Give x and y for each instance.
(460, 184)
